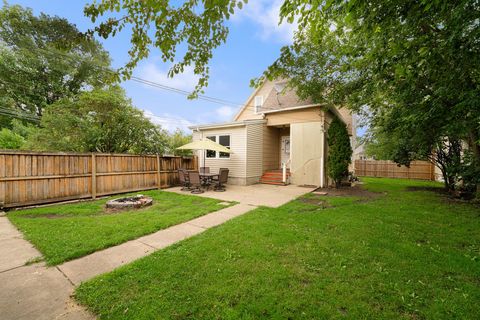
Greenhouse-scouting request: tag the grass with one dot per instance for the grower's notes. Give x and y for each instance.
(68, 231)
(404, 255)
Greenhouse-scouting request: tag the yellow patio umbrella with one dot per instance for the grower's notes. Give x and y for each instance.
(205, 144)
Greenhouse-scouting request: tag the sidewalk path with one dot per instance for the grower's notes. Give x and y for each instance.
(106, 260)
(34, 291)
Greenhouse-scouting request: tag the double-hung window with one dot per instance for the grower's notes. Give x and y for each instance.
(224, 140)
(258, 104)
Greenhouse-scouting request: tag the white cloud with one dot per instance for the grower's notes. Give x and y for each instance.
(185, 81)
(168, 122)
(266, 14)
(225, 113)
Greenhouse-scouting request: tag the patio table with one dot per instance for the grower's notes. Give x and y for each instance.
(208, 177)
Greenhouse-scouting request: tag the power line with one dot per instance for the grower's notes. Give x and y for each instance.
(149, 82)
(161, 86)
(18, 116)
(164, 87)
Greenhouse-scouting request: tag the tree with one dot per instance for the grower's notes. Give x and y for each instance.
(10, 139)
(339, 151)
(176, 139)
(44, 59)
(414, 64)
(199, 25)
(97, 121)
(402, 144)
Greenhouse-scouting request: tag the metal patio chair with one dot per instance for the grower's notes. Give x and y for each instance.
(195, 182)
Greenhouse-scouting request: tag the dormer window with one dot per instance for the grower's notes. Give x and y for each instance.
(258, 104)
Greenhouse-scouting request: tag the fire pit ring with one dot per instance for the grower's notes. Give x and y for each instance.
(134, 202)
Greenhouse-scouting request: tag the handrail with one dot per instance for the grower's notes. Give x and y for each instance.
(284, 171)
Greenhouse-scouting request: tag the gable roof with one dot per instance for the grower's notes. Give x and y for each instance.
(274, 100)
(247, 103)
(285, 99)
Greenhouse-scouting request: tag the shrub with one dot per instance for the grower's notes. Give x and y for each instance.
(339, 151)
(10, 140)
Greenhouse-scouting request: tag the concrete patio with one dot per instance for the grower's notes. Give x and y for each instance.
(255, 195)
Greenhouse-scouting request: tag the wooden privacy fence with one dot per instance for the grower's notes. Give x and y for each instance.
(421, 170)
(34, 178)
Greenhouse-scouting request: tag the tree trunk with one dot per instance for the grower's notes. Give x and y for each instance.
(474, 146)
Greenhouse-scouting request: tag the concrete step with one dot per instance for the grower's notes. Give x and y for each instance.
(272, 183)
(270, 180)
(274, 176)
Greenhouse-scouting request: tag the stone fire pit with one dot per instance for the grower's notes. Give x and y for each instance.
(135, 202)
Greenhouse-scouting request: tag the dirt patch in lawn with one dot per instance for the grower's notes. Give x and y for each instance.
(448, 197)
(317, 202)
(354, 191)
(425, 188)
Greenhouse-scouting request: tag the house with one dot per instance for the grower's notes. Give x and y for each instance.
(275, 138)
(359, 153)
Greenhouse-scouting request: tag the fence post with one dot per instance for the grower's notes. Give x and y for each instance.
(94, 176)
(159, 175)
(3, 183)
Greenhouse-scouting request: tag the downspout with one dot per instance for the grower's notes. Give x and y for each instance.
(322, 148)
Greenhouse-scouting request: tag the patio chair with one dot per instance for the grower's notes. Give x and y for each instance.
(215, 179)
(222, 179)
(184, 180)
(195, 183)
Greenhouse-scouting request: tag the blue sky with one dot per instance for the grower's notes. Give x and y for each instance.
(254, 43)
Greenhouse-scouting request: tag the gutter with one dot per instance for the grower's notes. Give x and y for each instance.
(226, 125)
(293, 108)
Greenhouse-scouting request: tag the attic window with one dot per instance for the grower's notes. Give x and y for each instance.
(279, 86)
(258, 104)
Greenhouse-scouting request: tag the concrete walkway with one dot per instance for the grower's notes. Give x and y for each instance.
(34, 291)
(37, 292)
(106, 260)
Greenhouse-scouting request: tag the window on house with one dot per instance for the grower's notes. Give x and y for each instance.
(224, 140)
(258, 103)
(211, 153)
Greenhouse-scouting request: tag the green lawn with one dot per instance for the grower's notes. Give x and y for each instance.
(404, 255)
(68, 231)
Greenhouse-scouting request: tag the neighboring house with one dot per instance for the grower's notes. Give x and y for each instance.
(274, 129)
(360, 154)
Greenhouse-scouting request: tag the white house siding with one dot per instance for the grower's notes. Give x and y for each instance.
(238, 159)
(306, 144)
(254, 169)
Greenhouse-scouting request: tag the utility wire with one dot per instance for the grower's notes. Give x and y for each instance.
(160, 86)
(23, 115)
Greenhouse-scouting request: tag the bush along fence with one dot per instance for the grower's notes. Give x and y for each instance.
(34, 178)
(421, 170)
